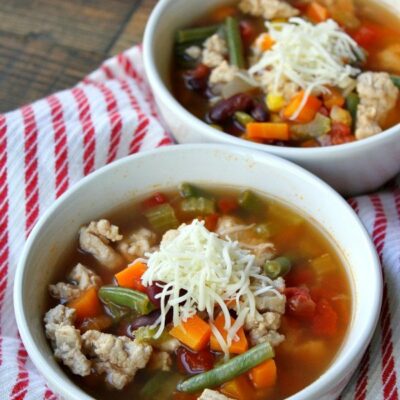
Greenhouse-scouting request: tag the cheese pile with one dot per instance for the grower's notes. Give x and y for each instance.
(312, 56)
(201, 272)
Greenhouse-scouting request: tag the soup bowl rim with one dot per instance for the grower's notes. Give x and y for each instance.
(70, 390)
(307, 153)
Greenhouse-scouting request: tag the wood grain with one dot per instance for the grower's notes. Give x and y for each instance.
(49, 45)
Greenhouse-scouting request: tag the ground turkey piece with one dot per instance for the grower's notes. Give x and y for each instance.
(160, 360)
(378, 96)
(263, 328)
(224, 73)
(214, 51)
(119, 358)
(81, 278)
(268, 9)
(95, 239)
(66, 340)
(209, 394)
(136, 244)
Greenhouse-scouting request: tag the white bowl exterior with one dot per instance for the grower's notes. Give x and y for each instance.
(122, 181)
(351, 169)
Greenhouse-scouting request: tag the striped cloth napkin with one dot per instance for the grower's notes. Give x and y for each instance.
(48, 146)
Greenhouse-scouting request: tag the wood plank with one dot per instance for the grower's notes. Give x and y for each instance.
(81, 24)
(133, 32)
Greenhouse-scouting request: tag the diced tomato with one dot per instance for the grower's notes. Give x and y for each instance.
(368, 35)
(325, 320)
(299, 303)
(155, 200)
(300, 276)
(228, 204)
(341, 133)
(191, 362)
(211, 222)
(247, 31)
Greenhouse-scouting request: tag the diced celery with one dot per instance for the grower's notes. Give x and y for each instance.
(198, 206)
(188, 190)
(162, 217)
(243, 118)
(249, 201)
(319, 126)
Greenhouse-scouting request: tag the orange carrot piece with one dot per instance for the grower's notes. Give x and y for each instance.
(266, 42)
(194, 333)
(131, 276)
(317, 13)
(87, 305)
(267, 130)
(334, 98)
(237, 346)
(264, 375)
(238, 388)
(307, 113)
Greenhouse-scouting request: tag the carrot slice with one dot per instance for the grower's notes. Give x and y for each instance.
(266, 42)
(307, 113)
(87, 305)
(264, 375)
(237, 346)
(267, 130)
(334, 98)
(238, 388)
(194, 333)
(131, 277)
(316, 12)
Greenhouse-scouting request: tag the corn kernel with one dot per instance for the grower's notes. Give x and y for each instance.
(275, 118)
(341, 115)
(275, 102)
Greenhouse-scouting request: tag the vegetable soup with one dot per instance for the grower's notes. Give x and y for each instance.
(291, 73)
(199, 293)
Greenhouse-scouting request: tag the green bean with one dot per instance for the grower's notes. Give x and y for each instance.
(187, 190)
(249, 201)
(195, 34)
(234, 40)
(352, 101)
(243, 118)
(160, 386)
(279, 266)
(162, 217)
(231, 369)
(132, 299)
(198, 205)
(396, 80)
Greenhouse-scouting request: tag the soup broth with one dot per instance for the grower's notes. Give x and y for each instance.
(312, 338)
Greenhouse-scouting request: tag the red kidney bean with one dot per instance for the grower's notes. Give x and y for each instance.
(144, 320)
(197, 79)
(152, 290)
(194, 362)
(226, 108)
(259, 113)
(247, 31)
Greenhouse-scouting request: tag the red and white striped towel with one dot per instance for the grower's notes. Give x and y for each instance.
(48, 146)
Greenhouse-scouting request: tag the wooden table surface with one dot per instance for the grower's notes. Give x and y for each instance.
(49, 45)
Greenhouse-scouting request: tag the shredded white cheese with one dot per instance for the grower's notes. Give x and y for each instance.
(201, 271)
(312, 56)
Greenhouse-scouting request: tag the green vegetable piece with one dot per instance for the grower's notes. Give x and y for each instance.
(146, 334)
(160, 386)
(198, 205)
(279, 266)
(132, 299)
(195, 34)
(396, 80)
(117, 313)
(235, 45)
(319, 126)
(352, 101)
(249, 201)
(162, 217)
(187, 190)
(231, 369)
(217, 127)
(243, 118)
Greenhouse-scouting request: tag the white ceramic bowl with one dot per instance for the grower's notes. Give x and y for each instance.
(121, 181)
(351, 169)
